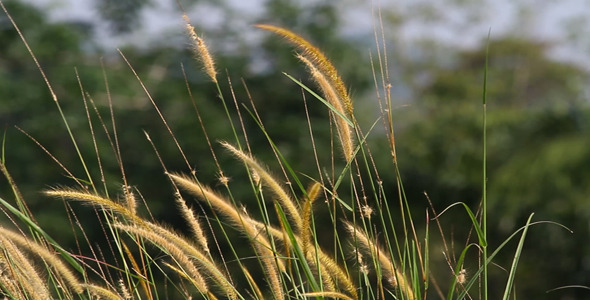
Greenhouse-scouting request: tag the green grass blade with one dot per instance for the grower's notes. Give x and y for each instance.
(332, 108)
(458, 268)
(41, 232)
(478, 229)
(298, 251)
(474, 279)
(484, 211)
(510, 281)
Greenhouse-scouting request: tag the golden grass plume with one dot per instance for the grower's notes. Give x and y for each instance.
(282, 196)
(188, 265)
(345, 134)
(201, 50)
(272, 263)
(18, 275)
(317, 58)
(193, 223)
(388, 269)
(70, 282)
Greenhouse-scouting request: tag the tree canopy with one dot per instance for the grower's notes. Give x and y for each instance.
(537, 111)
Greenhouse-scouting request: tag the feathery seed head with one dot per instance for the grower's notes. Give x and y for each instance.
(462, 276)
(255, 177)
(130, 199)
(193, 223)
(366, 211)
(269, 180)
(201, 50)
(364, 268)
(330, 94)
(124, 290)
(224, 180)
(97, 200)
(68, 277)
(390, 272)
(317, 58)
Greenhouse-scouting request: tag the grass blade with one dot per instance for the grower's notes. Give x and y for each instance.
(510, 281)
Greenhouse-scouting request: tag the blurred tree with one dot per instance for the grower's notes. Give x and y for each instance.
(28, 105)
(538, 155)
(537, 114)
(26, 101)
(122, 15)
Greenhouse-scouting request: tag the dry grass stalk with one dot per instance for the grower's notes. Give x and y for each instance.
(282, 196)
(204, 261)
(192, 221)
(259, 241)
(345, 133)
(62, 271)
(317, 58)
(23, 272)
(130, 199)
(180, 256)
(102, 293)
(10, 284)
(201, 50)
(201, 258)
(253, 284)
(143, 282)
(93, 199)
(337, 272)
(332, 269)
(313, 193)
(386, 265)
(218, 202)
(179, 247)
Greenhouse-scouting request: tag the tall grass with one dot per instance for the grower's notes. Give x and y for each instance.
(376, 252)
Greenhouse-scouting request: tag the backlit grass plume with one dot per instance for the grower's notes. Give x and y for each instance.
(382, 261)
(261, 244)
(318, 59)
(21, 278)
(201, 50)
(69, 280)
(193, 260)
(344, 129)
(295, 246)
(327, 78)
(293, 211)
(332, 274)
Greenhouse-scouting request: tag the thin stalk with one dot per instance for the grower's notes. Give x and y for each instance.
(484, 179)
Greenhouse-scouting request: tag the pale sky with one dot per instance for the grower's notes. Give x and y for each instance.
(543, 19)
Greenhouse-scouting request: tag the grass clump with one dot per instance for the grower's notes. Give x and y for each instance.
(369, 257)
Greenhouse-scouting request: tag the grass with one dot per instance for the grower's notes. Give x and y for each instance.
(376, 250)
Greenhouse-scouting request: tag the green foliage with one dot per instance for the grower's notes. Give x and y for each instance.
(538, 155)
(537, 150)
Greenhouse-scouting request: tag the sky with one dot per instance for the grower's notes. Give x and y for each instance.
(465, 23)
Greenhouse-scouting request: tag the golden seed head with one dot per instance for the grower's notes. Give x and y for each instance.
(130, 199)
(366, 211)
(200, 48)
(318, 58)
(364, 269)
(224, 180)
(392, 280)
(124, 290)
(462, 276)
(256, 178)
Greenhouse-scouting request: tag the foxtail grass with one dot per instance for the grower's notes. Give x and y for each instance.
(284, 237)
(316, 58)
(201, 50)
(294, 263)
